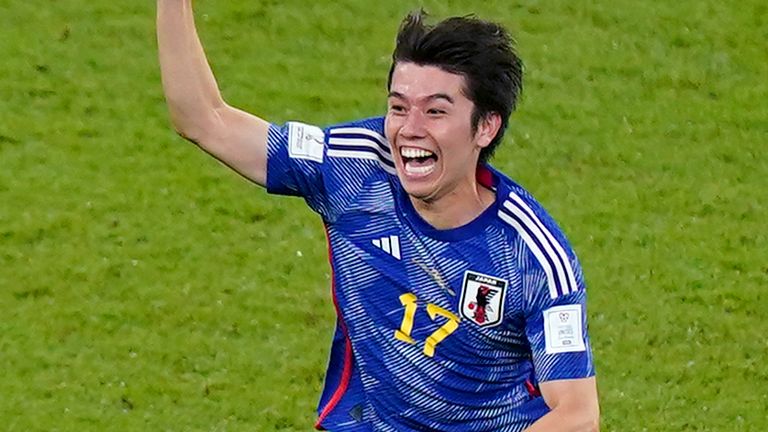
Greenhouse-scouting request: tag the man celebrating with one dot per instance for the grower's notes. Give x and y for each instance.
(460, 305)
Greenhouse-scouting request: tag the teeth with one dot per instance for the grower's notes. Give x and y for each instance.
(419, 169)
(411, 152)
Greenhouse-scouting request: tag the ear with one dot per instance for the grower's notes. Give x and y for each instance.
(487, 128)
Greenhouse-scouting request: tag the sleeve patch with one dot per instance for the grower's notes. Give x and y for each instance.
(563, 329)
(305, 142)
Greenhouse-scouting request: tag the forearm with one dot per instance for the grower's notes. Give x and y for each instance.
(188, 82)
(563, 420)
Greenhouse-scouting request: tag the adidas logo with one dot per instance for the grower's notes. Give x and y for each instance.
(389, 244)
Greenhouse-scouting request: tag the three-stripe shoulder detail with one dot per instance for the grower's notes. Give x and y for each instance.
(360, 143)
(545, 247)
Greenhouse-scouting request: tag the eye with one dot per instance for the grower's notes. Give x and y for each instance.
(397, 108)
(436, 111)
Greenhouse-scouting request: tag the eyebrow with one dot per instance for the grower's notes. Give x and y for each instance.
(430, 97)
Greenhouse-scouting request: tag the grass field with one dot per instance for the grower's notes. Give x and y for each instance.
(143, 287)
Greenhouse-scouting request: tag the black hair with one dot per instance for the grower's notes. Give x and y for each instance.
(481, 51)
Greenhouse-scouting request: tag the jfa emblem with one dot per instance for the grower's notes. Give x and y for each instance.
(482, 299)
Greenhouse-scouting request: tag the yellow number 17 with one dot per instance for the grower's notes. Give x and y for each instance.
(404, 333)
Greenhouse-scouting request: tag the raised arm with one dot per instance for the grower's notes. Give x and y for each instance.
(197, 109)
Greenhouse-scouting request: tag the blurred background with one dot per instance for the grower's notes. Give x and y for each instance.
(143, 286)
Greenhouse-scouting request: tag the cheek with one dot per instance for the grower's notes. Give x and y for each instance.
(390, 128)
(458, 129)
(457, 140)
(457, 153)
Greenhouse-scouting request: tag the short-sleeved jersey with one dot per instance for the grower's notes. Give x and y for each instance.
(437, 330)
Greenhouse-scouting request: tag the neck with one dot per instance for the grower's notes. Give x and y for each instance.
(456, 208)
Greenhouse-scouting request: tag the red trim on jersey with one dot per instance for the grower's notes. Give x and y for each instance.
(346, 374)
(484, 176)
(532, 389)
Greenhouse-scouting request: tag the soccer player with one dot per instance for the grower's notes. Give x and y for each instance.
(460, 304)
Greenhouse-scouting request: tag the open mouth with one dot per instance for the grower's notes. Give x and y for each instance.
(418, 162)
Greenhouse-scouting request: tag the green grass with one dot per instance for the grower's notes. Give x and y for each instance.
(145, 287)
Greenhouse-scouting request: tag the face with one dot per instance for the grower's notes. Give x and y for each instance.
(429, 126)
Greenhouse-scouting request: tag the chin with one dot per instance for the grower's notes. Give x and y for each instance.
(420, 192)
(421, 189)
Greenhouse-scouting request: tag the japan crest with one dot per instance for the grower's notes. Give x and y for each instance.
(482, 299)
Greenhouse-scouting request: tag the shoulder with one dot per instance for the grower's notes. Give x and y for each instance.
(358, 168)
(361, 140)
(527, 221)
(370, 125)
(332, 167)
(517, 204)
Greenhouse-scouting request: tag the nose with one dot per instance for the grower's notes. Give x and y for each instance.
(413, 126)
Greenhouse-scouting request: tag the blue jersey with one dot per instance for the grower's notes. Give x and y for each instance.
(437, 330)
